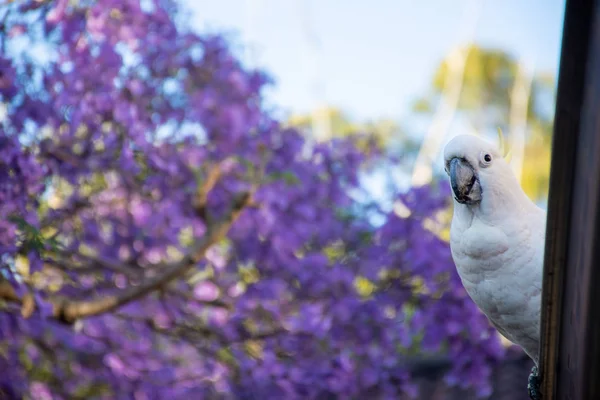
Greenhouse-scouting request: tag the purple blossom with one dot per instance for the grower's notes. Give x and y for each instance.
(102, 163)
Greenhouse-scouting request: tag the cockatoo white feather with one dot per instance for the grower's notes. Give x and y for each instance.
(497, 239)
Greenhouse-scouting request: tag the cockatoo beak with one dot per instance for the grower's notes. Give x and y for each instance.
(464, 181)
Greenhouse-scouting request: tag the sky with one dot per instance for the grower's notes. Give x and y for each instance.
(373, 58)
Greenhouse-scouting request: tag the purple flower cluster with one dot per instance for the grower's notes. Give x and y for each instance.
(136, 141)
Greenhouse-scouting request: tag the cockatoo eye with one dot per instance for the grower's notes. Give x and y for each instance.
(485, 160)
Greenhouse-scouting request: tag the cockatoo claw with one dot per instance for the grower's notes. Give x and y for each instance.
(533, 384)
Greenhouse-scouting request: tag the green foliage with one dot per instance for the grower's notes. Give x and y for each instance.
(487, 81)
(485, 101)
(286, 176)
(382, 132)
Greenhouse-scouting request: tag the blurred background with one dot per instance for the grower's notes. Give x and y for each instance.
(411, 73)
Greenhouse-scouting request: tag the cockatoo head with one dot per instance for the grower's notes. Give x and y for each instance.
(478, 172)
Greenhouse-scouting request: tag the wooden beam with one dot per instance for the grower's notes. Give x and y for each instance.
(570, 343)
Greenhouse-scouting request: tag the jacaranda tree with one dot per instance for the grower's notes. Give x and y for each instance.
(163, 237)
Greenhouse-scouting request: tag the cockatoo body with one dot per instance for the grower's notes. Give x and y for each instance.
(497, 240)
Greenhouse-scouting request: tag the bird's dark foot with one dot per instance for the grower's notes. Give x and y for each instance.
(533, 384)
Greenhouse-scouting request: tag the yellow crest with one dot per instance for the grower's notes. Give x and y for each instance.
(504, 150)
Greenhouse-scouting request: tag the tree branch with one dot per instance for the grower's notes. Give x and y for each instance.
(188, 297)
(519, 103)
(7, 292)
(69, 311)
(93, 264)
(450, 97)
(199, 202)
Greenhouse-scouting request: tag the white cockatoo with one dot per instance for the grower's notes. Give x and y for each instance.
(497, 240)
